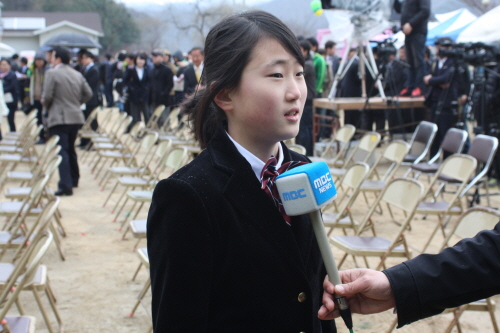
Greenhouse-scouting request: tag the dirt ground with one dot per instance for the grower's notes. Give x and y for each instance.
(94, 288)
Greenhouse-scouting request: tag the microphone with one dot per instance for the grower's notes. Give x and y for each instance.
(305, 190)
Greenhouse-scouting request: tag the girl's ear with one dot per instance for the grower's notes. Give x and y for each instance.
(223, 100)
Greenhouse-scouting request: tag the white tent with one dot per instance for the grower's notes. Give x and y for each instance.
(485, 29)
(6, 50)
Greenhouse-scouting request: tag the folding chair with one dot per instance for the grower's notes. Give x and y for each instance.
(29, 274)
(393, 153)
(121, 150)
(144, 261)
(132, 165)
(453, 143)
(351, 182)
(421, 142)
(50, 150)
(15, 135)
(341, 140)
(297, 148)
(152, 124)
(458, 167)
(361, 153)
(483, 149)
(400, 193)
(172, 162)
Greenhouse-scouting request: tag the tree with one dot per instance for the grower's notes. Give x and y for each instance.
(23, 5)
(118, 25)
(152, 30)
(201, 17)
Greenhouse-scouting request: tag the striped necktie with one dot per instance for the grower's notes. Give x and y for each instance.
(267, 178)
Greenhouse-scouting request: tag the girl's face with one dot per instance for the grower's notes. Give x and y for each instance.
(139, 62)
(4, 66)
(267, 104)
(39, 63)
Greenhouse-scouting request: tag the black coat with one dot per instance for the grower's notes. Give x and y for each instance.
(442, 76)
(138, 90)
(466, 272)
(350, 86)
(11, 85)
(222, 257)
(415, 12)
(162, 82)
(190, 81)
(92, 75)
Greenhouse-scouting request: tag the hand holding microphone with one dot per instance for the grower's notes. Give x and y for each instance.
(306, 189)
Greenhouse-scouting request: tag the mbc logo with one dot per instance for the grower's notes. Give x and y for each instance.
(293, 195)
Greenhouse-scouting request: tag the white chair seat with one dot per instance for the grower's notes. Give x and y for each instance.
(373, 185)
(371, 244)
(122, 170)
(133, 181)
(20, 175)
(138, 228)
(17, 158)
(436, 207)
(9, 208)
(141, 195)
(17, 192)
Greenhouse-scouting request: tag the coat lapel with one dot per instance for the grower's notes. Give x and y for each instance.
(244, 192)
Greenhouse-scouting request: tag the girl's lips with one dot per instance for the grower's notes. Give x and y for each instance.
(293, 114)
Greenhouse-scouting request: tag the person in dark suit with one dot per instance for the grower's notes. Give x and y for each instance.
(162, 82)
(350, 86)
(216, 241)
(92, 75)
(138, 82)
(442, 96)
(425, 285)
(64, 90)
(10, 88)
(414, 18)
(192, 74)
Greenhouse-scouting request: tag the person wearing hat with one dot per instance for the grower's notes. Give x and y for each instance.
(36, 74)
(162, 82)
(442, 95)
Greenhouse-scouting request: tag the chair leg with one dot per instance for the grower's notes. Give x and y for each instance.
(140, 297)
(342, 260)
(42, 310)
(111, 193)
(432, 235)
(456, 315)
(121, 207)
(57, 241)
(491, 311)
(54, 308)
(127, 215)
(60, 227)
(137, 271)
(20, 307)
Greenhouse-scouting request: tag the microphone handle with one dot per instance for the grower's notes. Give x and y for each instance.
(324, 247)
(330, 265)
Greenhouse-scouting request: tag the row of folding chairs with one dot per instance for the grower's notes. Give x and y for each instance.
(129, 165)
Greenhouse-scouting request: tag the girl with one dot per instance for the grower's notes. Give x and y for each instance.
(222, 257)
(37, 75)
(10, 90)
(138, 83)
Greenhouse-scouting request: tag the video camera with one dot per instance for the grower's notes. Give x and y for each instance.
(385, 48)
(475, 54)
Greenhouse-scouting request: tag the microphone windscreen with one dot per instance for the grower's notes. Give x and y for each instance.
(306, 188)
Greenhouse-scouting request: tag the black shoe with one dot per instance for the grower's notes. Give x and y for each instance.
(64, 192)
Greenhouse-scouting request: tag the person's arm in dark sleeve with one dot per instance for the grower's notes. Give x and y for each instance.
(422, 15)
(169, 83)
(442, 78)
(397, 6)
(180, 254)
(429, 284)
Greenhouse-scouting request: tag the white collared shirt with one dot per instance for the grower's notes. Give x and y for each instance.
(140, 72)
(441, 62)
(255, 162)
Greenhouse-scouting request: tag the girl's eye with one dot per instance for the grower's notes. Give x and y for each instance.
(278, 75)
(300, 74)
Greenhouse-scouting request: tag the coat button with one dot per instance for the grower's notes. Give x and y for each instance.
(302, 297)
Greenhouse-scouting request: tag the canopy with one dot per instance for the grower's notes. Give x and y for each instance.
(73, 40)
(485, 29)
(6, 50)
(450, 25)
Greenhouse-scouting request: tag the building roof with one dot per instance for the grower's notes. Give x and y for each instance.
(90, 20)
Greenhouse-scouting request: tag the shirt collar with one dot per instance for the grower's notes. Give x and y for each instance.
(255, 162)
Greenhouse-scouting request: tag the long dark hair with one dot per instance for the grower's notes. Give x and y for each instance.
(228, 48)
